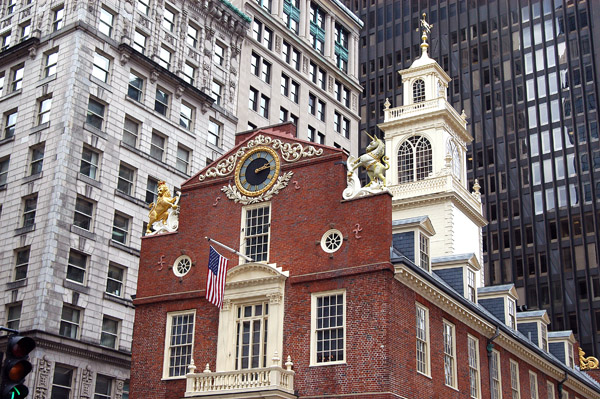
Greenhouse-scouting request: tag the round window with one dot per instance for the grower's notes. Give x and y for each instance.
(331, 241)
(182, 265)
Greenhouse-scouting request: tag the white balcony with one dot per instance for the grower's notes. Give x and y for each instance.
(269, 382)
(421, 108)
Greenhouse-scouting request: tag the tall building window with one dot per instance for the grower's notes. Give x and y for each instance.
(217, 92)
(214, 133)
(192, 36)
(151, 190)
(328, 325)
(496, 389)
(317, 27)
(341, 47)
(418, 91)
(25, 31)
(422, 327)
(414, 159)
(95, 114)
(346, 127)
(120, 231)
(6, 39)
(77, 266)
(179, 342)
(135, 87)
(514, 380)
(89, 163)
(266, 4)
(186, 116)
(84, 210)
(51, 59)
(255, 235)
(101, 67)
(144, 6)
(188, 73)
(164, 58)
(265, 73)
(115, 280)
(291, 14)
(13, 316)
(103, 387)
(126, 178)
(17, 77)
(44, 106)
(10, 7)
(449, 355)
(109, 336)
(161, 101)
(321, 110)
(168, 22)
(130, 132)
(139, 42)
(29, 209)
(62, 382)
(157, 146)
(262, 34)
(70, 320)
(533, 385)
(58, 15)
(4, 172)
(21, 264)
(264, 106)
(550, 390)
(10, 122)
(219, 54)
(106, 22)
(251, 340)
(183, 159)
(474, 378)
(253, 99)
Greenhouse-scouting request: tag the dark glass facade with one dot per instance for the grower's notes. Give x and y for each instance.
(526, 74)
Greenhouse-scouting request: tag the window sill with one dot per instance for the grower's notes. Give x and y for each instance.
(342, 363)
(39, 128)
(102, 84)
(95, 130)
(129, 250)
(76, 287)
(424, 375)
(47, 80)
(11, 285)
(31, 178)
(7, 140)
(23, 230)
(114, 298)
(10, 95)
(82, 232)
(89, 180)
(131, 199)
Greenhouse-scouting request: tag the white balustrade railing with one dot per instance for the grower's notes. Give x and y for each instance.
(251, 380)
(405, 111)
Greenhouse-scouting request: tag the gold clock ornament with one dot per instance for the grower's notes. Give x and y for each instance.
(257, 171)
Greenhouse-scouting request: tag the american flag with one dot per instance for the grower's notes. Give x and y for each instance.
(215, 282)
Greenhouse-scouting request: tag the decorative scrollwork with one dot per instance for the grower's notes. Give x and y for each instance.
(234, 194)
(587, 363)
(291, 152)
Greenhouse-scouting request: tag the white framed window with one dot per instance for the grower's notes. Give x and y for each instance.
(10, 123)
(101, 67)
(418, 91)
(496, 388)
(251, 338)
(565, 394)
(151, 190)
(474, 372)
(131, 130)
(214, 133)
(6, 39)
(164, 58)
(84, 212)
(182, 265)
(570, 355)
(219, 54)
(253, 99)
(186, 116)
(107, 19)
(328, 328)
(29, 209)
(264, 106)
(544, 337)
(50, 61)
(95, 114)
(44, 106)
(192, 36)
(21, 263)
(62, 382)
(183, 159)
(120, 230)
(161, 101)
(511, 313)
(139, 41)
(58, 18)
(533, 385)
(77, 266)
(168, 22)
(4, 172)
(10, 6)
(25, 31)
(143, 6)
(126, 179)
(414, 159)
(103, 387)
(109, 336)
(135, 88)
(265, 73)
(36, 163)
(157, 146)
(179, 343)
(70, 322)
(422, 332)
(424, 251)
(90, 160)
(515, 384)
(331, 241)
(550, 390)
(13, 315)
(188, 73)
(256, 220)
(115, 280)
(449, 354)
(17, 74)
(471, 289)
(217, 92)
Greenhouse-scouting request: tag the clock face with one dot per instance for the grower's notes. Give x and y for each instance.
(257, 171)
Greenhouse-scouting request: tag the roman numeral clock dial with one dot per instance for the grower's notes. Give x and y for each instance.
(257, 171)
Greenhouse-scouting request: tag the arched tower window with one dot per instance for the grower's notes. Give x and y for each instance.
(418, 91)
(414, 159)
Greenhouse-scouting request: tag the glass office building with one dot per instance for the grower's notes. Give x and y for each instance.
(526, 74)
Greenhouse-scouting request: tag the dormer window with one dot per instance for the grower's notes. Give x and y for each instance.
(544, 333)
(512, 315)
(414, 159)
(418, 91)
(471, 290)
(424, 252)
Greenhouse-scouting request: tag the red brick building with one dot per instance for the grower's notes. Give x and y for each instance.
(374, 297)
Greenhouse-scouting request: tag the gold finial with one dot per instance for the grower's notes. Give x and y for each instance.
(587, 363)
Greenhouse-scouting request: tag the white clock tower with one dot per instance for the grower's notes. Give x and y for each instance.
(426, 141)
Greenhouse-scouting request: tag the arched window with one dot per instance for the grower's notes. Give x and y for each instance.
(414, 159)
(418, 91)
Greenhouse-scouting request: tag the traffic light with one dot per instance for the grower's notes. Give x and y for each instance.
(16, 367)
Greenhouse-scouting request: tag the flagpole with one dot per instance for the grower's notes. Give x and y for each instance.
(230, 249)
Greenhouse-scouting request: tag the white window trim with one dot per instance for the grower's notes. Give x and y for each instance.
(453, 354)
(507, 314)
(245, 210)
(427, 338)
(166, 354)
(550, 389)
(518, 379)
(496, 353)
(477, 360)
(313, 328)
(533, 379)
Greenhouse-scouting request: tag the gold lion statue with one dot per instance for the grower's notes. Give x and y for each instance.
(159, 211)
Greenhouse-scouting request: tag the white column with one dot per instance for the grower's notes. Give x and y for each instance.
(328, 36)
(353, 55)
(304, 19)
